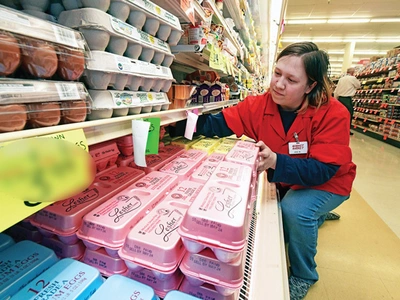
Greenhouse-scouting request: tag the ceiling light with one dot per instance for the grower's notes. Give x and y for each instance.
(384, 20)
(306, 21)
(330, 21)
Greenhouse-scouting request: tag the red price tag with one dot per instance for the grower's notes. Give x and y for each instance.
(386, 120)
(385, 137)
(392, 122)
(380, 91)
(380, 120)
(365, 129)
(365, 120)
(392, 90)
(188, 8)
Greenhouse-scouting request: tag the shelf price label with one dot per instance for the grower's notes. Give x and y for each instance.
(35, 172)
(188, 8)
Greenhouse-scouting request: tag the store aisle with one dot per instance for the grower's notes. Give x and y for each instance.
(359, 255)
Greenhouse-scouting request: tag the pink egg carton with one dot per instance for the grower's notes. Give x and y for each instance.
(104, 154)
(203, 172)
(233, 173)
(109, 168)
(205, 291)
(154, 162)
(65, 217)
(109, 223)
(215, 158)
(193, 154)
(204, 267)
(125, 145)
(217, 217)
(244, 153)
(180, 167)
(161, 287)
(62, 250)
(124, 161)
(170, 151)
(186, 191)
(154, 242)
(103, 262)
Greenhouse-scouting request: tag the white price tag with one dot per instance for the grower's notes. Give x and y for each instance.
(190, 125)
(140, 132)
(65, 36)
(67, 91)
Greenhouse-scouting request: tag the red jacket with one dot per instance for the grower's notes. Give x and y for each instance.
(325, 129)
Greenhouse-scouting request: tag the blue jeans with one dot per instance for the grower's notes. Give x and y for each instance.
(303, 211)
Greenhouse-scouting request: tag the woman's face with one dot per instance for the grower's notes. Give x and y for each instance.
(289, 83)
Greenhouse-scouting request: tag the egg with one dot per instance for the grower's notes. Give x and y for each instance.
(12, 117)
(44, 114)
(71, 63)
(39, 59)
(10, 54)
(73, 111)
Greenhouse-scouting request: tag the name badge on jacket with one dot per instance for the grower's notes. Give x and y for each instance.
(298, 147)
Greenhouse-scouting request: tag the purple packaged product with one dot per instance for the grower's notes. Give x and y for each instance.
(204, 93)
(215, 93)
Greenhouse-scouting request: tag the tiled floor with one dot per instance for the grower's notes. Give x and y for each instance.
(359, 255)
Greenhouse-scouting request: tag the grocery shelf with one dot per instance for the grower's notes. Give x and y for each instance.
(102, 130)
(376, 135)
(269, 278)
(221, 20)
(174, 7)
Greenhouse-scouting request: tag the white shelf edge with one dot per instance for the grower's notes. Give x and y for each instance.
(269, 278)
(102, 130)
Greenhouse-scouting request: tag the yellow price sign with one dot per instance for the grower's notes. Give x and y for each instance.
(38, 171)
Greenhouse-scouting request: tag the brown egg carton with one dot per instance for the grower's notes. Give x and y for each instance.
(34, 48)
(32, 104)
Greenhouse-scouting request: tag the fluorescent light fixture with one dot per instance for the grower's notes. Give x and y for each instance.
(385, 20)
(306, 21)
(335, 21)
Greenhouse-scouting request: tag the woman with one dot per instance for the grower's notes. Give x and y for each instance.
(303, 137)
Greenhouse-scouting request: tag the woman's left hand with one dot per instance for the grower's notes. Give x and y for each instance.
(267, 158)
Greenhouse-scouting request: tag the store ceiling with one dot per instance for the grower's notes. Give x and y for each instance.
(372, 38)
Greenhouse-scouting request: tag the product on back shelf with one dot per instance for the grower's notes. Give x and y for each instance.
(104, 32)
(106, 264)
(6, 241)
(68, 278)
(123, 288)
(21, 263)
(41, 103)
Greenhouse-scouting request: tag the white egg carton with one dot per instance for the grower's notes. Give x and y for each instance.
(111, 70)
(107, 104)
(142, 14)
(105, 32)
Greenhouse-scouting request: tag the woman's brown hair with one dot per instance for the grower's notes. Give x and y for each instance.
(316, 65)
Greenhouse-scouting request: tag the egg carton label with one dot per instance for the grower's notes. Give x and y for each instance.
(10, 21)
(67, 91)
(124, 99)
(14, 89)
(65, 36)
(155, 9)
(139, 35)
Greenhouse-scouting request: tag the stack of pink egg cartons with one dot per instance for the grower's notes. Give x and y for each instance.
(105, 228)
(153, 249)
(60, 221)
